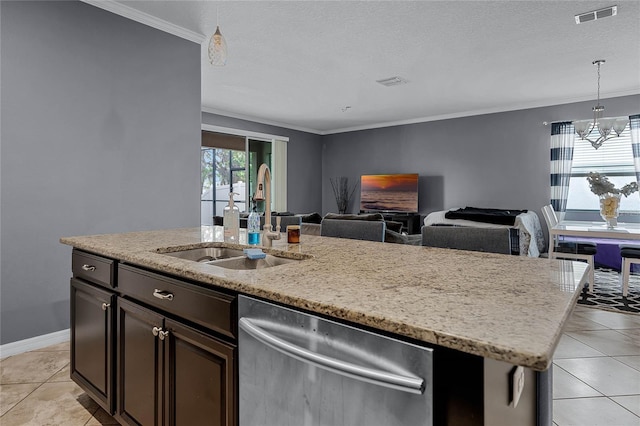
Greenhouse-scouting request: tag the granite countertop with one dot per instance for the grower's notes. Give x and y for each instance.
(508, 308)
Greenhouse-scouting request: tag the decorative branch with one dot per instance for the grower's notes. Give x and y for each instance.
(600, 185)
(342, 192)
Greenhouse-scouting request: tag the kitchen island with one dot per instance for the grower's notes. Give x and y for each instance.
(483, 313)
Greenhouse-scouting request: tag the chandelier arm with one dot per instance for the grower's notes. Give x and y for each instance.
(598, 142)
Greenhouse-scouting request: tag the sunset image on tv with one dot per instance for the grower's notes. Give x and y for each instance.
(394, 193)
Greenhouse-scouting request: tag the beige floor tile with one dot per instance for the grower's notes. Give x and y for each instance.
(101, 417)
(606, 375)
(572, 348)
(612, 320)
(609, 342)
(592, 412)
(63, 375)
(32, 367)
(64, 346)
(10, 395)
(632, 361)
(580, 322)
(631, 403)
(567, 386)
(52, 404)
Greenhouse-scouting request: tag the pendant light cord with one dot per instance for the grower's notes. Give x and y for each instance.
(598, 83)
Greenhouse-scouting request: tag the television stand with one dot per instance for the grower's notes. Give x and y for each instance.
(410, 221)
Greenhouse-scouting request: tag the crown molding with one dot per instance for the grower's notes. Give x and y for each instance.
(514, 107)
(260, 120)
(146, 19)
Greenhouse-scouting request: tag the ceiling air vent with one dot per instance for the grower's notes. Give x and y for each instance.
(597, 14)
(392, 81)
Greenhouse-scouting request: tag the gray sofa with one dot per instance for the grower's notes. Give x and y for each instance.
(494, 240)
(311, 224)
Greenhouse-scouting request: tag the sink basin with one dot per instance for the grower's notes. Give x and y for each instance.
(243, 263)
(228, 258)
(206, 254)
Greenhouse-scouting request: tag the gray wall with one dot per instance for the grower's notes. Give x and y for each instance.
(304, 161)
(100, 133)
(496, 160)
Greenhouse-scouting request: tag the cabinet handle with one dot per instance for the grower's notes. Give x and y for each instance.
(162, 294)
(88, 267)
(156, 330)
(163, 334)
(105, 306)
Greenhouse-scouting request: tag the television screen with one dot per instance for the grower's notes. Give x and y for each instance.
(389, 193)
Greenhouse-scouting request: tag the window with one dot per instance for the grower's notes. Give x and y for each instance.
(222, 171)
(614, 159)
(229, 163)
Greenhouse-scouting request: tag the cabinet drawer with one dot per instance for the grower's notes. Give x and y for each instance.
(205, 307)
(96, 269)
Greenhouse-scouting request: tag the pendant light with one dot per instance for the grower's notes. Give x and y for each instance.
(217, 47)
(607, 127)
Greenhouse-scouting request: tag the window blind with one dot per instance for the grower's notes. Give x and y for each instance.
(614, 157)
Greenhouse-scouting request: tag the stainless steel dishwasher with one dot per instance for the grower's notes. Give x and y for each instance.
(297, 369)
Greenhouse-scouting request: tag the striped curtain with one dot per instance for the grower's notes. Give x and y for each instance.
(634, 122)
(562, 139)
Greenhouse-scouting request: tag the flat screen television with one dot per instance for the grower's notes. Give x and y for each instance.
(397, 193)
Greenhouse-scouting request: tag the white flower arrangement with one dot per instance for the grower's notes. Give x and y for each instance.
(600, 185)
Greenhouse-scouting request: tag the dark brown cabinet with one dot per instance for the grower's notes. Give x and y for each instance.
(199, 378)
(92, 328)
(170, 373)
(152, 349)
(139, 365)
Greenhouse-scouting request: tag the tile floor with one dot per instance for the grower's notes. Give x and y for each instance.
(596, 370)
(596, 378)
(36, 390)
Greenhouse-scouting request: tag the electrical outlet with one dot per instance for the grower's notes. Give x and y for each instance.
(516, 384)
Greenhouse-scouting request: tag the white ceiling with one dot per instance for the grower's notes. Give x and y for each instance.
(300, 63)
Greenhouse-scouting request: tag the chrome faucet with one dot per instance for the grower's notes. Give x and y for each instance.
(261, 194)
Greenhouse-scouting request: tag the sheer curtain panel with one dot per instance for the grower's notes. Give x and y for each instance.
(634, 123)
(562, 140)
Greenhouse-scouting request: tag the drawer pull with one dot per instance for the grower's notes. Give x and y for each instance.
(88, 267)
(156, 330)
(105, 306)
(162, 294)
(163, 334)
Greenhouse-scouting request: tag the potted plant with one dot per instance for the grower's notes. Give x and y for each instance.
(342, 192)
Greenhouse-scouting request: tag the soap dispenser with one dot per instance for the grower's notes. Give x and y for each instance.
(253, 226)
(231, 221)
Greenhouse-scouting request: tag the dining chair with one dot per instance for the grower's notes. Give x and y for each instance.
(630, 254)
(355, 229)
(571, 250)
(491, 240)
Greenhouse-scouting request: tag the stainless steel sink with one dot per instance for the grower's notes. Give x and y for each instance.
(243, 263)
(206, 254)
(227, 258)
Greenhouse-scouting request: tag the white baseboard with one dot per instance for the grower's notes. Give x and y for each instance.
(34, 343)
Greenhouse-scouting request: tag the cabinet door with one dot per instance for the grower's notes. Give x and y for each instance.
(199, 376)
(92, 341)
(139, 365)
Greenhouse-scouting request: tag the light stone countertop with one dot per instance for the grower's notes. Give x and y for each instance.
(508, 308)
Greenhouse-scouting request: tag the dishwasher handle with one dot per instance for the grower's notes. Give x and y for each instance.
(415, 385)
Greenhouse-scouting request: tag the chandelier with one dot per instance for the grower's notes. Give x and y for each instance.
(606, 126)
(217, 47)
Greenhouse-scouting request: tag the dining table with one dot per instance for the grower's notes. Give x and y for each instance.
(608, 239)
